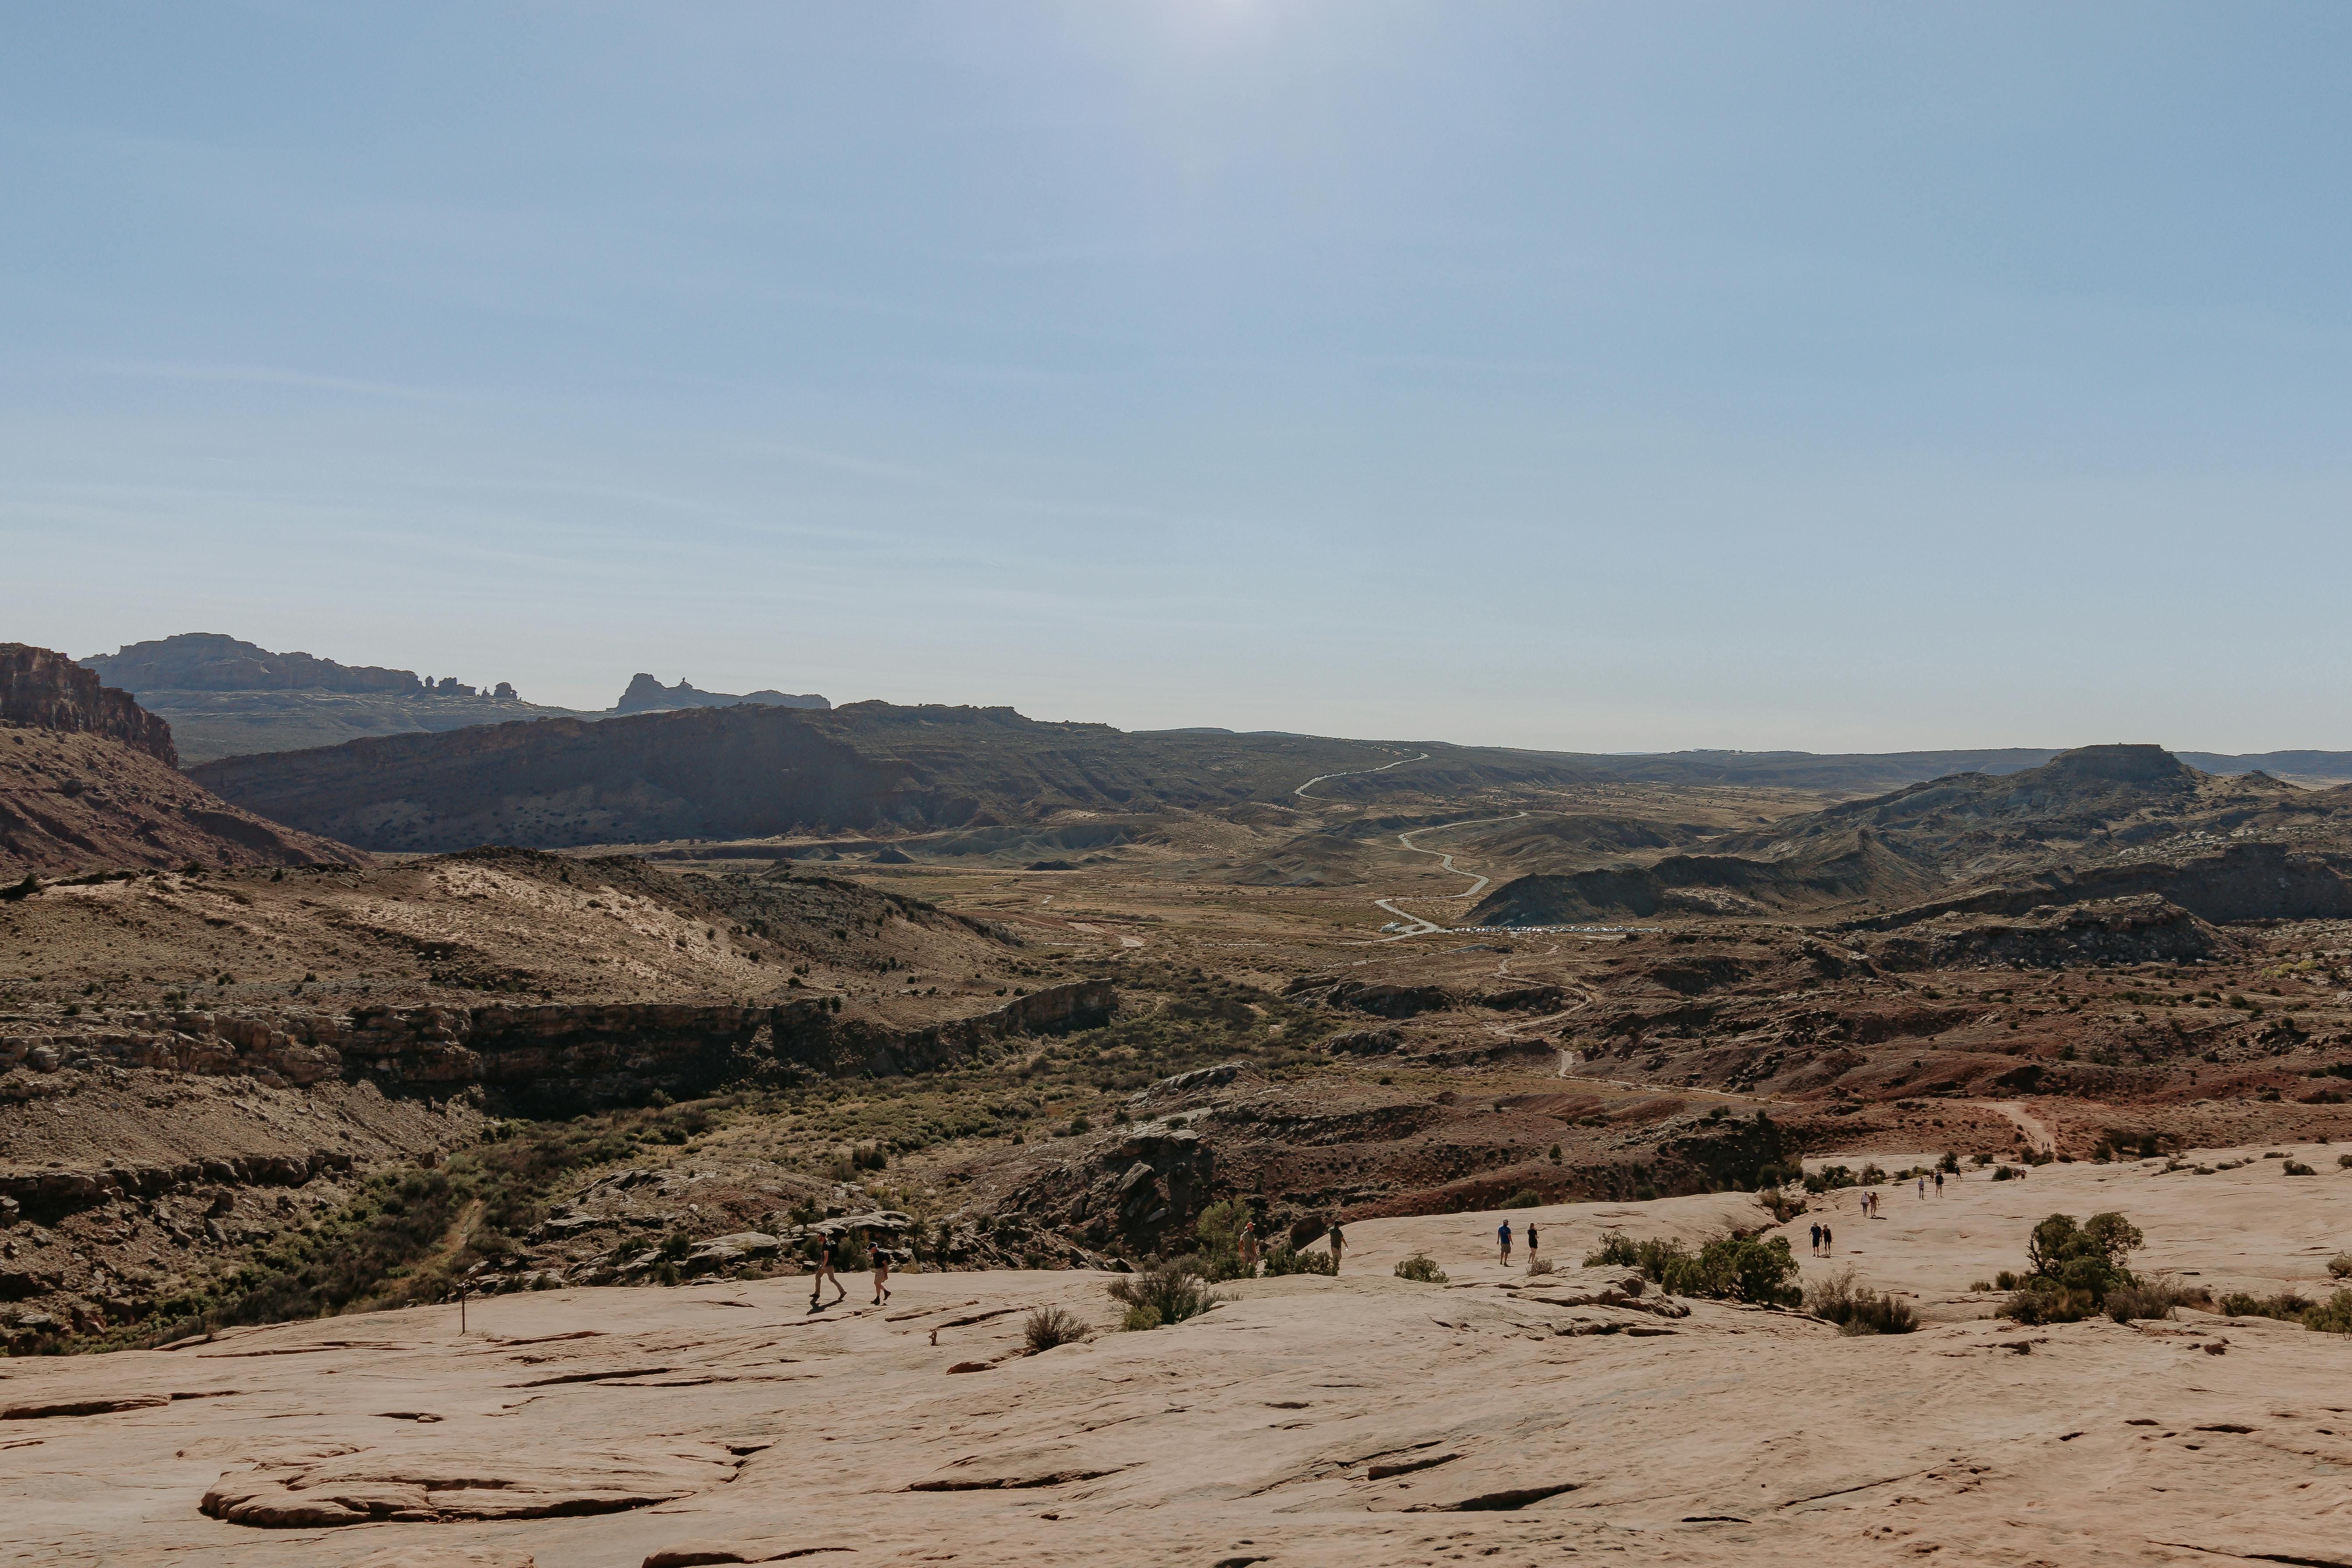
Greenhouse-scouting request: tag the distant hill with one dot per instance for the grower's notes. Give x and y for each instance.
(648, 695)
(86, 783)
(752, 771)
(1920, 843)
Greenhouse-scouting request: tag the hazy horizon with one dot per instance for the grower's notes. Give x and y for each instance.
(1569, 377)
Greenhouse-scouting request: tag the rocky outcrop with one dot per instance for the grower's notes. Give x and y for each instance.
(648, 695)
(2139, 930)
(2242, 882)
(43, 690)
(554, 1060)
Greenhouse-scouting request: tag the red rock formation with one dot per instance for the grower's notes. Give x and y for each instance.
(41, 688)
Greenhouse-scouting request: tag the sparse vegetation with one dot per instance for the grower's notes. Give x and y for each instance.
(1283, 1260)
(2288, 1306)
(1738, 1266)
(1421, 1269)
(1856, 1308)
(1166, 1293)
(1525, 1198)
(1047, 1326)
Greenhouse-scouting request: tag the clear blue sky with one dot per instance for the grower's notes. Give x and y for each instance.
(1607, 377)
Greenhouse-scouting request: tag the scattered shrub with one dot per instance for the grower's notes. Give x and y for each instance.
(2287, 1305)
(1741, 1267)
(1282, 1259)
(1525, 1198)
(1421, 1268)
(2006, 1173)
(2147, 1299)
(1857, 1309)
(869, 1157)
(2340, 1265)
(2344, 1162)
(2049, 1304)
(2333, 1316)
(1139, 1317)
(1616, 1251)
(2296, 1168)
(1172, 1291)
(1780, 1203)
(1539, 1266)
(1050, 1326)
(2005, 1280)
(1982, 1285)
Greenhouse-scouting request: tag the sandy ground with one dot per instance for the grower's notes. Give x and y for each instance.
(1364, 1419)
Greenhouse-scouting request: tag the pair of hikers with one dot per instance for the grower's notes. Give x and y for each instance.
(1503, 1237)
(1821, 1240)
(826, 1254)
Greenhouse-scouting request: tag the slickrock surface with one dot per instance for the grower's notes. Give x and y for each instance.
(1364, 1419)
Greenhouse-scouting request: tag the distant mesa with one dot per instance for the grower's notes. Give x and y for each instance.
(648, 695)
(225, 696)
(210, 661)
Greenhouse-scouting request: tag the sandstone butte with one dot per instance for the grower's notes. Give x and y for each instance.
(1360, 1421)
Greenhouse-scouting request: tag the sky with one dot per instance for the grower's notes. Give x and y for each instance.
(1594, 377)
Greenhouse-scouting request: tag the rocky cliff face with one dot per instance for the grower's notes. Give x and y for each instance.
(549, 1060)
(43, 690)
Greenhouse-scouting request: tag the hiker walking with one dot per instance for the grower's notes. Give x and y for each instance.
(824, 1258)
(1249, 1248)
(1940, 1183)
(1923, 1186)
(1825, 1241)
(1503, 1235)
(881, 1277)
(1533, 1245)
(1339, 1242)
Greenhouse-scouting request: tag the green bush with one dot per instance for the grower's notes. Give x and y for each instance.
(2344, 1162)
(1422, 1268)
(2340, 1265)
(2048, 1304)
(1172, 1292)
(1050, 1326)
(1282, 1259)
(1856, 1308)
(1139, 1317)
(2005, 1174)
(2287, 1306)
(1616, 1251)
(1525, 1198)
(2296, 1168)
(2087, 1258)
(1739, 1267)
(2333, 1316)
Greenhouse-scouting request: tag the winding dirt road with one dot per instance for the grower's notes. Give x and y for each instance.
(1353, 772)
